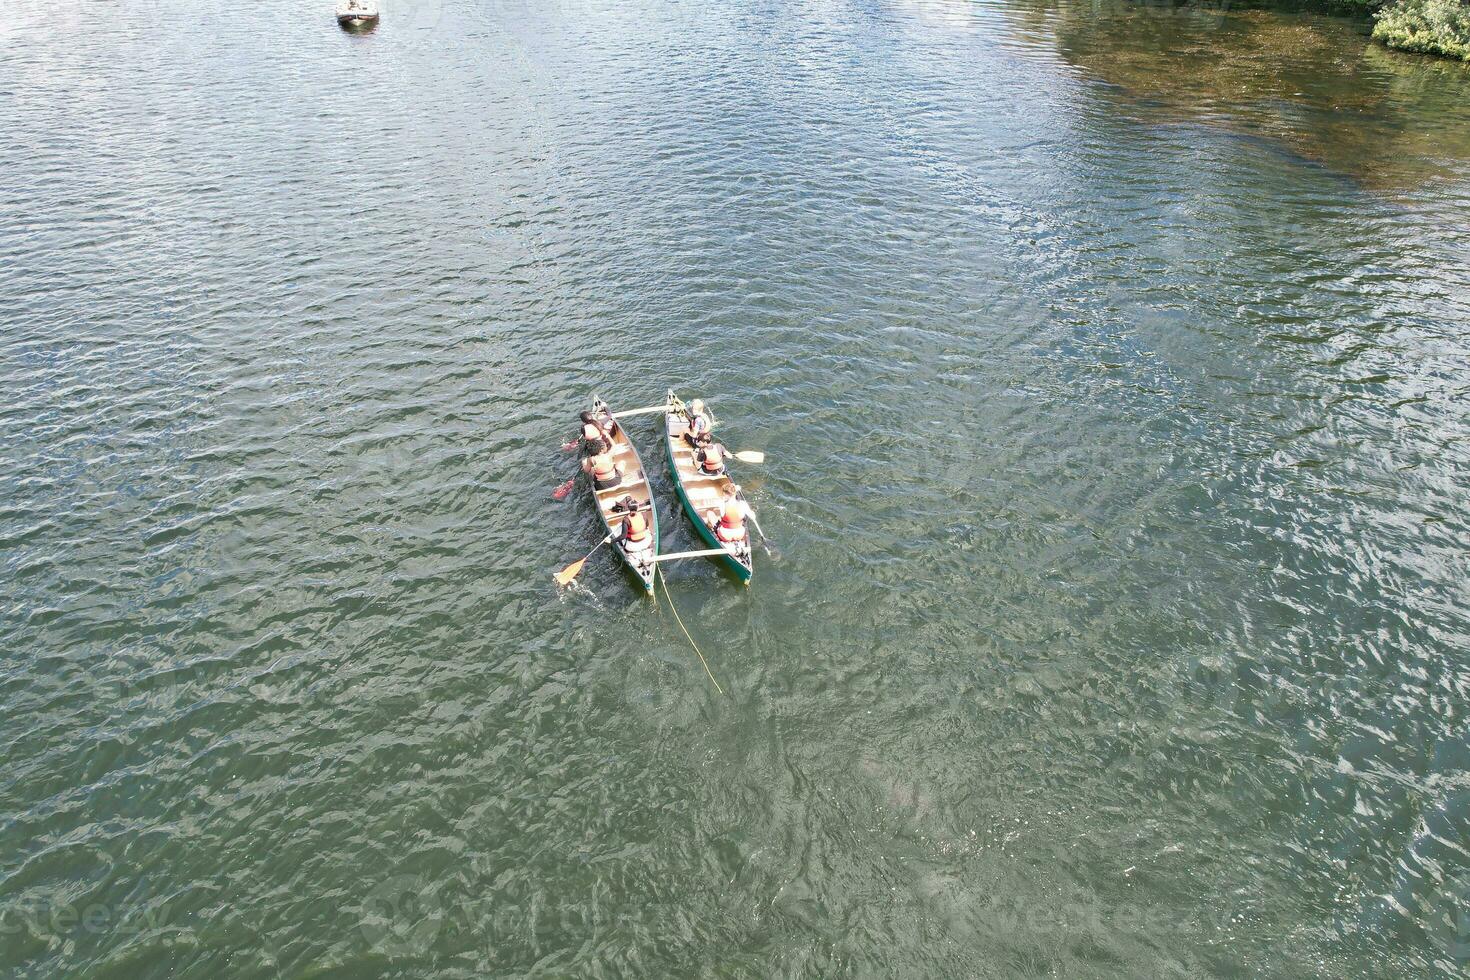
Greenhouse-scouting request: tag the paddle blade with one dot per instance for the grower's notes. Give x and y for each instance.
(565, 576)
(751, 456)
(560, 493)
(567, 447)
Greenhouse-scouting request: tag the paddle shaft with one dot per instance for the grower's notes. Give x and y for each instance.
(565, 576)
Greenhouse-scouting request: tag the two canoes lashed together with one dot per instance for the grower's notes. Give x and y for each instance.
(703, 496)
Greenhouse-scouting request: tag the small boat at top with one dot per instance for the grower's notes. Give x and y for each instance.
(634, 484)
(357, 13)
(703, 496)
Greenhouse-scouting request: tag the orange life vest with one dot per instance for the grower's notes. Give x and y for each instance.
(730, 533)
(603, 467)
(637, 529)
(709, 464)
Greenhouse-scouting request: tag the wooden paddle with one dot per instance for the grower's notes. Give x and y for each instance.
(765, 541)
(565, 576)
(750, 513)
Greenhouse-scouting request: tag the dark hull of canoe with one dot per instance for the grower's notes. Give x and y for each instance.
(741, 570)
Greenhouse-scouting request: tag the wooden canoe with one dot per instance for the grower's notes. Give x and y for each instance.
(635, 485)
(700, 494)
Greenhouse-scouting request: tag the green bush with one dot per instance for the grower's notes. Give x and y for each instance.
(1431, 26)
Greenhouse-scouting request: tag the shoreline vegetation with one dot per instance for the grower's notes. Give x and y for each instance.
(1437, 27)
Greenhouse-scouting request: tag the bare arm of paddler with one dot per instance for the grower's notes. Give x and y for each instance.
(596, 427)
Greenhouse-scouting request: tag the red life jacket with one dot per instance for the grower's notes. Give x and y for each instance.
(729, 533)
(603, 468)
(708, 464)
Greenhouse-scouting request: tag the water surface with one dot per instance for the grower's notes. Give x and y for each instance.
(1111, 366)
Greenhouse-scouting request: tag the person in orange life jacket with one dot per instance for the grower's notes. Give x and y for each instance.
(605, 471)
(710, 460)
(698, 433)
(729, 528)
(636, 536)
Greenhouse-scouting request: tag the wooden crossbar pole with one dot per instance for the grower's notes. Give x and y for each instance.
(692, 554)
(639, 411)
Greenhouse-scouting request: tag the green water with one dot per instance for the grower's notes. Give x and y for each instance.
(1111, 366)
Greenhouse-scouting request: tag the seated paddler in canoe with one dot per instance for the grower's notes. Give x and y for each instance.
(623, 509)
(636, 539)
(634, 536)
(597, 427)
(729, 526)
(605, 471)
(710, 459)
(698, 432)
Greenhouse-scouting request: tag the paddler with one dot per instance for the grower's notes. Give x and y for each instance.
(698, 432)
(636, 537)
(605, 471)
(596, 426)
(591, 436)
(710, 461)
(729, 527)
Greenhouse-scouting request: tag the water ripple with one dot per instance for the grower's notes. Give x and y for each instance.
(1109, 366)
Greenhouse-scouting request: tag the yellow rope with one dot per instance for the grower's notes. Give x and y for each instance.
(665, 581)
